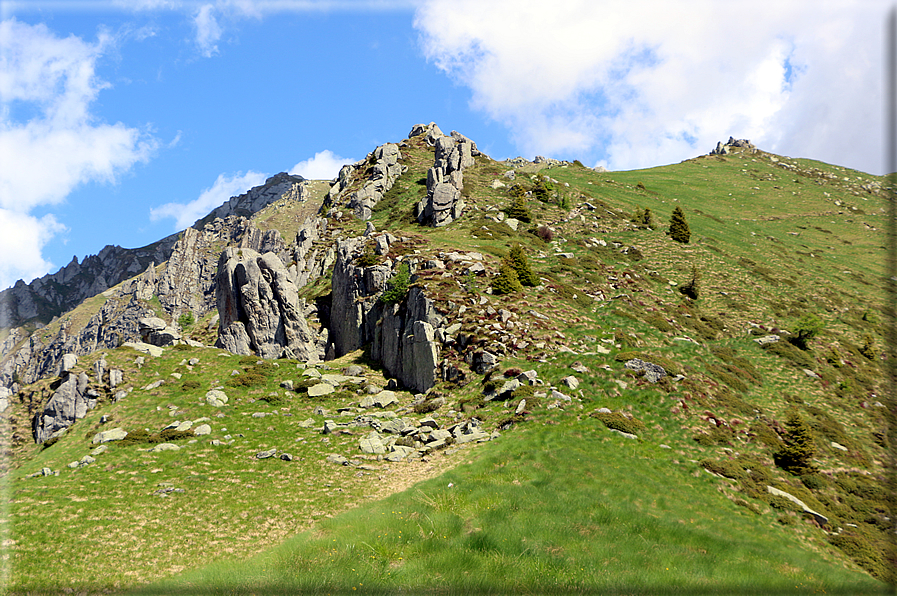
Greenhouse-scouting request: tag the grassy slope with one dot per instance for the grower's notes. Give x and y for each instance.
(512, 525)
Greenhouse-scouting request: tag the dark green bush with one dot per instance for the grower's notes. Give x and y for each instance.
(691, 288)
(247, 379)
(190, 385)
(171, 434)
(182, 347)
(276, 399)
(618, 421)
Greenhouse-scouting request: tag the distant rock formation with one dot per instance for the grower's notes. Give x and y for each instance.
(259, 308)
(278, 186)
(732, 142)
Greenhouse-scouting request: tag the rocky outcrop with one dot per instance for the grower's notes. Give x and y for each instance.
(445, 180)
(70, 402)
(279, 186)
(308, 261)
(378, 172)
(405, 343)
(356, 293)
(259, 308)
(157, 332)
(401, 335)
(732, 142)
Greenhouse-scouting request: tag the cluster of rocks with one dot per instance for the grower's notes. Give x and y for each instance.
(399, 438)
(381, 168)
(445, 180)
(722, 149)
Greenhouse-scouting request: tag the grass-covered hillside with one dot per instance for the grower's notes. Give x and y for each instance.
(600, 477)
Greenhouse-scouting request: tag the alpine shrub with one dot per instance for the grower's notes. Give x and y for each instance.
(397, 287)
(806, 328)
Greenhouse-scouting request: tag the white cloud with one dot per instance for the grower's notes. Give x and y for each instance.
(208, 32)
(649, 81)
(225, 187)
(22, 238)
(59, 145)
(325, 165)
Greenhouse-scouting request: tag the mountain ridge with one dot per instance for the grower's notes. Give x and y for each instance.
(608, 327)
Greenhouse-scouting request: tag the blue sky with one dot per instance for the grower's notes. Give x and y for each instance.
(124, 121)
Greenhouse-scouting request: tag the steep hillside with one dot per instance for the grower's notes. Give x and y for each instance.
(710, 413)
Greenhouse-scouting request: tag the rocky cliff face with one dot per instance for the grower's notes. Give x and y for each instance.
(259, 308)
(401, 335)
(56, 293)
(279, 186)
(375, 175)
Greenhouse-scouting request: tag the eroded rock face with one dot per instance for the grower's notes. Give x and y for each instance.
(384, 172)
(259, 308)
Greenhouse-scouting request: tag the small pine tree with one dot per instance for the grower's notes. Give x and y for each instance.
(542, 189)
(690, 288)
(679, 227)
(518, 260)
(518, 209)
(648, 218)
(506, 282)
(796, 455)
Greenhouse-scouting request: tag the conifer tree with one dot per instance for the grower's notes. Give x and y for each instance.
(796, 454)
(679, 227)
(506, 282)
(518, 260)
(518, 209)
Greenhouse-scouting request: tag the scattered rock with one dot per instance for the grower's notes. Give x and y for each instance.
(780, 493)
(165, 447)
(653, 372)
(266, 454)
(335, 458)
(320, 389)
(115, 434)
(373, 444)
(202, 430)
(767, 339)
(216, 398)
